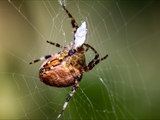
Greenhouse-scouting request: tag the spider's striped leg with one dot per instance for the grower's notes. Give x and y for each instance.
(75, 86)
(73, 21)
(56, 44)
(87, 48)
(90, 66)
(96, 53)
(40, 59)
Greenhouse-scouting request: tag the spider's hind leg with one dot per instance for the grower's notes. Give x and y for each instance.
(74, 88)
(73, 21)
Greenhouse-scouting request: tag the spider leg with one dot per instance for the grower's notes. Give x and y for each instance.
(74, 88)
(47, 56)
(73, 21)
(94, 63)
(40, 59)
(96, 53)
(87, 49)
(95, 60)
(56, 44)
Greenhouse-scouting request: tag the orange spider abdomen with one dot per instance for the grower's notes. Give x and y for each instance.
(54, 72)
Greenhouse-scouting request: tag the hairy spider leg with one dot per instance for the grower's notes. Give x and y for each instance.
(95, 52)
(94, 62)
(73, 21)
(47, 56)
(42, 58)
(74, 88)
(89, 46)
(56, 44)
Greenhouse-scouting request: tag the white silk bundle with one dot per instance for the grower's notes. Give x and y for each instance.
(80, 35)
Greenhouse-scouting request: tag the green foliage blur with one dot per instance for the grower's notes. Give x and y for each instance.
(125, 86)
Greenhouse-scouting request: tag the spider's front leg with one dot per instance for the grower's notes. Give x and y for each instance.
(73, 21)
(40, 59)
(94, 62)
(74, 88)
(56, 44)
(47, 56)
(95, 52)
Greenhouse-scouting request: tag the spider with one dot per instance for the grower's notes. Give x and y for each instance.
(66, 67)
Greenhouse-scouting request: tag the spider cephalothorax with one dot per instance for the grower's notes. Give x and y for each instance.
(66, 68)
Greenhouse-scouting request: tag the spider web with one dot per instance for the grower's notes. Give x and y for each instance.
(124, 86)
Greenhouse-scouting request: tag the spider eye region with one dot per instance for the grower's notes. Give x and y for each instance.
(71, 52)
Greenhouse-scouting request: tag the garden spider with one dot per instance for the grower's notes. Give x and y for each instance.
(66, 67)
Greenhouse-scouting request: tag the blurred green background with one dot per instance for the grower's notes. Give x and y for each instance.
(124, 86)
